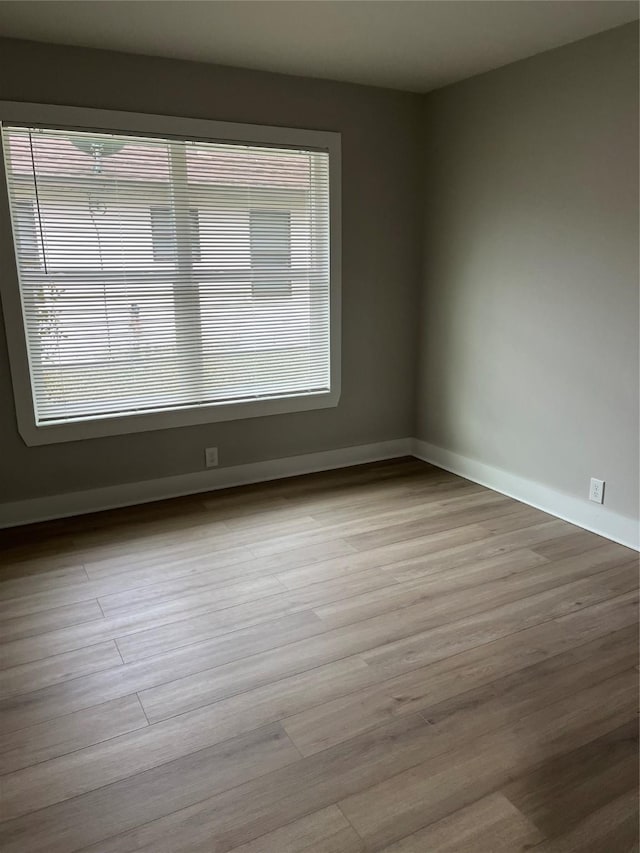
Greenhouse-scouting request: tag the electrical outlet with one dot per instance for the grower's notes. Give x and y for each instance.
(211, 457)
(596, 491)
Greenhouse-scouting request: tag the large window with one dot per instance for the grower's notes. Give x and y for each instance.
(171, 279)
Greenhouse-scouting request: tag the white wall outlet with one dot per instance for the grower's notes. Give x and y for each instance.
(211, 457)
(596, 491)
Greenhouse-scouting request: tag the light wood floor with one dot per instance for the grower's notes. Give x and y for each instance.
(383, 658)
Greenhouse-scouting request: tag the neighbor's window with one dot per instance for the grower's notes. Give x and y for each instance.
(152, 271)
(271, 251)
(163, 233)
(25, 232)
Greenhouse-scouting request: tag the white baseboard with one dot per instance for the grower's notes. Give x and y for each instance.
(128, 494)
(582, 513)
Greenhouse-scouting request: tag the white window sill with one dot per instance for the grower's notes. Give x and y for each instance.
(168, 419)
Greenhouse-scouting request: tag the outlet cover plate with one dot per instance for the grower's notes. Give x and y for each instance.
(596, 490)
(211, 457)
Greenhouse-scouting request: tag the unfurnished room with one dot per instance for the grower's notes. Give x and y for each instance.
(319, 426)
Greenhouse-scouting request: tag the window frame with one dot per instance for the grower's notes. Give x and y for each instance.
(79, 118)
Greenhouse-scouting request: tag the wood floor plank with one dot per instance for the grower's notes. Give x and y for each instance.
(418, 514)
(59, 668)
(71, 732)
(487, 577)
(495, 581)
(510, 698)
(35, 558)
(381, 658)
(410, 495)
(561, 793)
(120, 757)
(167, 562)
(467, 553)
(155, 641)
(383, 641)
(577, 542)
(326, 831)
(422, 647)
(486, 507)
(238, 503)
(111, 545)
(523, 516)
(386, 555)
(151, 571)
(490, 824)
(235, 816)
(534, 687)
(431, 790)
(196, 629)
(228, 549)
(154, 614)
(31, 584)
(49, 620)
(366, 762)
(217, 535)
(221, 567)
(98, 814)
(513, 661)
(96, 688)
(227, 564)
(613, 827)
(133, 601)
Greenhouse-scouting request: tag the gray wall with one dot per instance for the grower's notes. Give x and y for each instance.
(529, 319)
(381, 259)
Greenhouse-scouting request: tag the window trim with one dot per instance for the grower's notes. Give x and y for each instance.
(165, 126)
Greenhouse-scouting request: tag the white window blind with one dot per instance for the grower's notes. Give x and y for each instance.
(160, 274)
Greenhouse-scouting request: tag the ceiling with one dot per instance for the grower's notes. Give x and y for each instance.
(417, 46)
